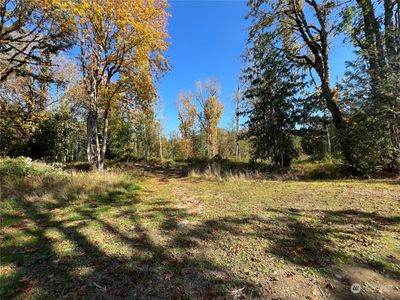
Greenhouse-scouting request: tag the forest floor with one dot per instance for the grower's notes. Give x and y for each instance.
(154, 235)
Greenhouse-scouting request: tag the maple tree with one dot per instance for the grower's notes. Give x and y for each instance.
(121, 46)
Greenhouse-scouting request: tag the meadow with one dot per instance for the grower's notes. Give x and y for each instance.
(146, 233)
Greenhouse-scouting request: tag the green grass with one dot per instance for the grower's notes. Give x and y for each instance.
(101, 236)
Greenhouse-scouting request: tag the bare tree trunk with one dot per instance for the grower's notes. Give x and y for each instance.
(160, 149)
(328, 140)
(390, 41)
(328, 149)
(237, 152)
(96, 135)
(105, 139)
(89, 148)
(338, 121)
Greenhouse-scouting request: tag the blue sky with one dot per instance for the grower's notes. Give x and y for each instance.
(207, 40)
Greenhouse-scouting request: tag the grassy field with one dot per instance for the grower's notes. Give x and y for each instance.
(155, 235)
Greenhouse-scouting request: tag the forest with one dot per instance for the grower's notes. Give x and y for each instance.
(286, 187)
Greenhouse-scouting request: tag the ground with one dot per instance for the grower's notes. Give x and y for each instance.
(158, 235)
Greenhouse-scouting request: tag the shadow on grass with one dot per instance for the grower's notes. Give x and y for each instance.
(147, 269)
(153, 269)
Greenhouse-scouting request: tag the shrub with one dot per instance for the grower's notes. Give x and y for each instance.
(22, 167)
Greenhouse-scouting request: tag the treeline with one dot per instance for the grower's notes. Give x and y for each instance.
(78, 82)
(291, 92)
(73, 72)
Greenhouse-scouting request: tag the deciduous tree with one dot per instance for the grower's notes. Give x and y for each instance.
(121, 45)
(210, 112)
(30, 32)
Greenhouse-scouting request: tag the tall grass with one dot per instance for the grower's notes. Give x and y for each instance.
(22, 180)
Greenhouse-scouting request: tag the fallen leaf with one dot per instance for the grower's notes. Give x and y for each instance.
(181, 294)
(168, 276)
(330, 286)
(289, 274)
(31, 285)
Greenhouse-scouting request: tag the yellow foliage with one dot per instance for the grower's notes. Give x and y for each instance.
(121, 36)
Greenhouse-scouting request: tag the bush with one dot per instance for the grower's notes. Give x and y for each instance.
(22, 167)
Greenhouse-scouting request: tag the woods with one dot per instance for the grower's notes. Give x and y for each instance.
(95, 64)
(300, 34)
(116, 57)
(70, 65)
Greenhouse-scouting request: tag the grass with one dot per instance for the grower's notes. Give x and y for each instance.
(133, 234)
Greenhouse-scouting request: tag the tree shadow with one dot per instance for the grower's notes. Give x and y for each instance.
(176, 266)
(146, 269)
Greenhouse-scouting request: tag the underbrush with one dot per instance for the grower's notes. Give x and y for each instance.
(303, 170)
(24, 180)
(23, 167)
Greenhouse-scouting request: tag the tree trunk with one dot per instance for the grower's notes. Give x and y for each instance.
(208, 143)
(96, 135)
(318, 45)
(390, 31)
(160, 149)
(90, 127)
(339, 123)
(237, 150)
(105, 139)
(328, 149)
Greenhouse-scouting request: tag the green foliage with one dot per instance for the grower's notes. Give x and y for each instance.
(59, 137)
(56, 136)
(22, 167)
(374, 115)
(272, 90)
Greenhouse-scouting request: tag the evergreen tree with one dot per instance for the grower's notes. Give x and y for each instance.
(272, 94)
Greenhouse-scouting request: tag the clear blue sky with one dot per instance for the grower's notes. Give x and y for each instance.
(207, 40)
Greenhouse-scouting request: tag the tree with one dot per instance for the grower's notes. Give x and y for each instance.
(30, 33)
(210, 113)
(305, 41)
(271, 93)
(371, 87)
(121, 46)
(42, 119)
(187, 113)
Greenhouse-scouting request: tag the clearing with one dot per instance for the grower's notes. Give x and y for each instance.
(161, 236)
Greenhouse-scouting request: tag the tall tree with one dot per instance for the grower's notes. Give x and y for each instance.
(210, 112)
(121, 45)
(373, 78)
(304, 39)
(271, 93)
(187, 113)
